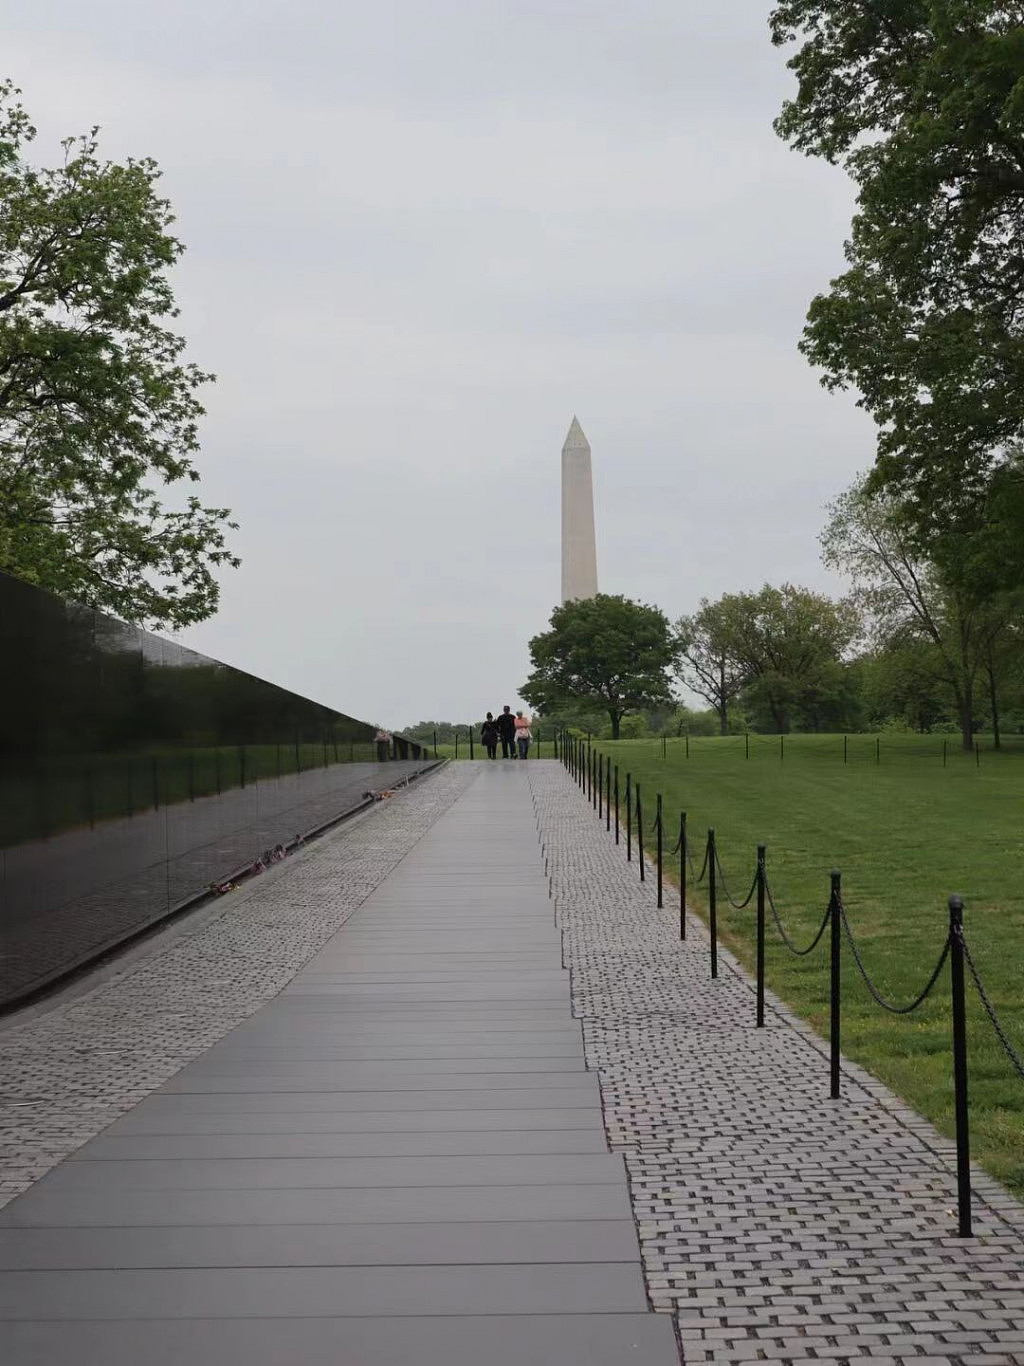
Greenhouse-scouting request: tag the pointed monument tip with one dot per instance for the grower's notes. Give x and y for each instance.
(575, 440)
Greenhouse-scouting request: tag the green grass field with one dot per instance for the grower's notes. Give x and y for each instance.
(906, 829)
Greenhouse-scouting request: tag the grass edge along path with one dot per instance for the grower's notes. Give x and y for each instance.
(905, 830)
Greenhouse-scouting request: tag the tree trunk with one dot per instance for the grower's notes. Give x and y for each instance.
(723, 701)
(994, 701)
(616, 718)
(965, 705)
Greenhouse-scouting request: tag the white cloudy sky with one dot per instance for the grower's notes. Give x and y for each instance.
(420, 237)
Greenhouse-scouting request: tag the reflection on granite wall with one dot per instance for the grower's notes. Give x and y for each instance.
(136, 774)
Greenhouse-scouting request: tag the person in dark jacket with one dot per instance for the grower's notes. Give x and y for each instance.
(489, 736)
(507, 731)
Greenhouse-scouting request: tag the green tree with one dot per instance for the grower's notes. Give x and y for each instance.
(98, 410)
(705, 665)
(922, 102)
(606, 653)
(903, 683)
(951, 602)
(789, 644)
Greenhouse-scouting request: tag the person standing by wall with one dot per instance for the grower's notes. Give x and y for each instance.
(383, 742)
(489, 736)
(507, 731)
(523, 734)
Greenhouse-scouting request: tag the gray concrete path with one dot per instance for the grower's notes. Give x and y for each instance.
(401, 1159)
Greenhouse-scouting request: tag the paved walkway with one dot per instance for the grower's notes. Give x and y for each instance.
(400, 1159)
(776, 1225)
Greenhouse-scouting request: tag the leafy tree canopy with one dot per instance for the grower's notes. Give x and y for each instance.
(788, 644)
(705, 664)
(922, 102)
(98, 410)
(952, 602)
(606, 653)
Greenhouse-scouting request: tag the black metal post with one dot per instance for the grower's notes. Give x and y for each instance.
(616, 803)
(844, 749)
(640, 834)
(782, 748)
(156, 783)
(470, 729)
(746, 745)
(944, 754)
(435, 744)
(608, 795)
(600, 786)
(629, 818)
(456, 742)
(963, 1132)
(760, 935)
(713, 900)
(682, 875)
(835, 984)
(687, 744)
(661, 900)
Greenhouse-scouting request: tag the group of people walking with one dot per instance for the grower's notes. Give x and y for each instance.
(513, 733)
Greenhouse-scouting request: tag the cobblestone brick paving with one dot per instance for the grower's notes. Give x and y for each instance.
(775, 1224)
(69, 1072)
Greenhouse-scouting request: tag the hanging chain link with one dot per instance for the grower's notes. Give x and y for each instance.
(737, 905)
(799, 953)
(875, 993)
(990, 1009)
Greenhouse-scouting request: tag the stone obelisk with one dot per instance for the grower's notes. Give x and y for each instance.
(579, 551)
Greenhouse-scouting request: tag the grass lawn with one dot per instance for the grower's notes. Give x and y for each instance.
(906, 829)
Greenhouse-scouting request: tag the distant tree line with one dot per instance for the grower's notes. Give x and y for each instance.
(901, 652)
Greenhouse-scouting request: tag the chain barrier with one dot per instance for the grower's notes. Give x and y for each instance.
(876, 995)
(736, 905)
(799, 953)
(990, 1010)
(698, 878)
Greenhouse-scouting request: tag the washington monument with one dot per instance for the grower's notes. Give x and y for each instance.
(579, 553)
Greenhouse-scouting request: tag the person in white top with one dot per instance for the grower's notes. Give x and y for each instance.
(523, 734)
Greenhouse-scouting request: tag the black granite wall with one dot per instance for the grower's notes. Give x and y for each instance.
(135, 774)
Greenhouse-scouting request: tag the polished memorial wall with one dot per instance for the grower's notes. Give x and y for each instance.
(136, 775)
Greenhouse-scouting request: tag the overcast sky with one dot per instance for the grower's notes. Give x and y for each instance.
(421, 236)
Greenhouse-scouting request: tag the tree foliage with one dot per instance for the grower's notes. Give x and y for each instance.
(705, 663)
(789, 644)
(98, 410)
(922, 101)
(950, 602)
(605, 652)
